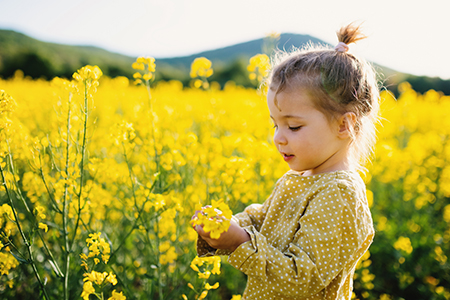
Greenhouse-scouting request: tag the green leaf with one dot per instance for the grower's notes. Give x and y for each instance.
(20, 259)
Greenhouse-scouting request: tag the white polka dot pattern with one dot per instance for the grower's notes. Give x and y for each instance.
(305, 239)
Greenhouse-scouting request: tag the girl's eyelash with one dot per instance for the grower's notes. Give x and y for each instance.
(290, 128)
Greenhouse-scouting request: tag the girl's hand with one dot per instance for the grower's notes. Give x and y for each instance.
(229, 240)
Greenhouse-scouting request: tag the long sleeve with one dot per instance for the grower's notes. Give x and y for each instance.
(253, 214)
(332, 230)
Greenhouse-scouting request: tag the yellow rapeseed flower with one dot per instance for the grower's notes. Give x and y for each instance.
(447, 213)
(203, 295)
(111, 278)
(7, 262)
(201, 67)
(145, 64)
(43, 226)
(206, 263)
(214, 218)
(88, 73)
(138, 66)
(117, 296)
(204, 275)
(95, 277)
(259, 67)
(440, 256)
(98, 246)
(404, 244)
(88, 289)
(7, 105)
(211, 287)
(169, 255)
(39, 212)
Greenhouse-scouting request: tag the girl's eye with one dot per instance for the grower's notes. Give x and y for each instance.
(275, 126)
(295, 128)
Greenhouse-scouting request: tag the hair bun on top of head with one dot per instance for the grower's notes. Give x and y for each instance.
(347, 35)
(341, 47)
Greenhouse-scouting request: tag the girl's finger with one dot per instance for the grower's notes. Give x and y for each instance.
(201, 232)
(195, 214)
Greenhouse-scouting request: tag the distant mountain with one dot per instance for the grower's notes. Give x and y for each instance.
(230, 63)
(244, 50)
(65, 59)
(42, 59)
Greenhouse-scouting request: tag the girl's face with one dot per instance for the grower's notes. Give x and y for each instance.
(306, 139)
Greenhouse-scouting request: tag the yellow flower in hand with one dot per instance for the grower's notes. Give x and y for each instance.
(214, 218)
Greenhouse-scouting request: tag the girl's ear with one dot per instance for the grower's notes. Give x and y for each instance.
(347, 125)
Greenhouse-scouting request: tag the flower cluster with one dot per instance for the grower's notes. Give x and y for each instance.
(88, 75)
(201, 69)
(214, 218)
(7, 229)
(403, 244)
(7, 262)
(147, 66)
(39, 212)
(207, 263)
(7, 105)
(259, 67)
(204, 266)
(124, 136)
(85, 84)
(100, 280)
(6, 219)
(97, 247)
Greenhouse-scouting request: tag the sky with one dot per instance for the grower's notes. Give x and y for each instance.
(407, 36)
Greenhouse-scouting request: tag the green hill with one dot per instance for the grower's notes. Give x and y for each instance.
(20, 51)
(230, 63)
(42, 59)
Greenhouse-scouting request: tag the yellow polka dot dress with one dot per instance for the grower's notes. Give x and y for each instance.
(306, 238)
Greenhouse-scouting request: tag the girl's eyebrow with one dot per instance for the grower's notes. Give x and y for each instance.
(289, 117)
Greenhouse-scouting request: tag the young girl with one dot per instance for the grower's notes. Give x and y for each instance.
(305, 240)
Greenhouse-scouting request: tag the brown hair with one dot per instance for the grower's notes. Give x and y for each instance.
(338, 82)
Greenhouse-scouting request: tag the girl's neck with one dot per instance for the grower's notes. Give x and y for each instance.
(343, 165)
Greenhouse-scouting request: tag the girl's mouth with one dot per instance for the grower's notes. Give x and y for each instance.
(287, 157)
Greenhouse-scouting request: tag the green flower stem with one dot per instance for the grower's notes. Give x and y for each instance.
(66, 252)
(55, 205)
(139, 210)
(35, 221)
(25, 240)
(147, 85)
(152, 117)
(83, 154)
(160, 290)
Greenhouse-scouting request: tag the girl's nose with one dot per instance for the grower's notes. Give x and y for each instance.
(279, 138)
